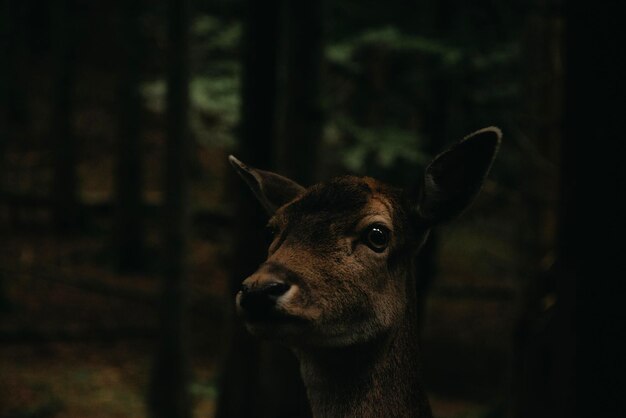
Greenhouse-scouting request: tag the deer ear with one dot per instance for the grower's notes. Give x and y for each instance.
(272, 190)
(454, 178)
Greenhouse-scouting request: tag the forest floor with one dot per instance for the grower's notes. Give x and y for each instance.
(109, 380)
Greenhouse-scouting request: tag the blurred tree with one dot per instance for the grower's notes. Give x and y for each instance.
(300, 110)
(253, 382)
(63, 146)
(533, 386)
(567, 267)
(8, 102)
(589, 350)
(129, 231)
(434, 126)
(169, 395)
(8, 81)
(4, 301)
(298, 133)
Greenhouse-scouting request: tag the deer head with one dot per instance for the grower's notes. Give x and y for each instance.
(338, 270)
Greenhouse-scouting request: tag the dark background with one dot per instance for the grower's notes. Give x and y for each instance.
(124, 234)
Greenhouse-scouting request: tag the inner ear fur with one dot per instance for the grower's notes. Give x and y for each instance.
(271, 189)
(454, 178)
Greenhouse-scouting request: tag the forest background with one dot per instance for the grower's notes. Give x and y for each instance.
(125, 234)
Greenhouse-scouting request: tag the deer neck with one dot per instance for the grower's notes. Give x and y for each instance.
(379, 378)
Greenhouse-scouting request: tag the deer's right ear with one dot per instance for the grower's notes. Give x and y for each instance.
(272, 190)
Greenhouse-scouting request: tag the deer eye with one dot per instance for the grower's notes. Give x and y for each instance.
(376, 237)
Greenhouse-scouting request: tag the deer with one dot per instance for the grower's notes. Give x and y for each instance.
(338, 286)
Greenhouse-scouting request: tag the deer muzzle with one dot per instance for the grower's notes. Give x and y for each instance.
(258, 296)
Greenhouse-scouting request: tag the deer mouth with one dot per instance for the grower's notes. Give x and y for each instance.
(273, 316)
(274, 326)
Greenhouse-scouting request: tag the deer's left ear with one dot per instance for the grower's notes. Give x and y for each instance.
(272, 190)
(454, 178)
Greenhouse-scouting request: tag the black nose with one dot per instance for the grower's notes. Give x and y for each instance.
(260, 300)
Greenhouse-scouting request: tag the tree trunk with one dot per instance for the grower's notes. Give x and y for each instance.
(9, 81)
(589, 286)
(9, 75)
(169, 396)
(300, 112)
(239, 392)
(64, 190)
(537, 328)
(129, 234)
(280, 130)
(435, 123)
(299, 125)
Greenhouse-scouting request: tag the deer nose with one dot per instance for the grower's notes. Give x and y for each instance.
(259, 300)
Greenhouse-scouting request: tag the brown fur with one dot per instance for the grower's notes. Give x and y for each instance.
(355, 336)
(350, 312)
